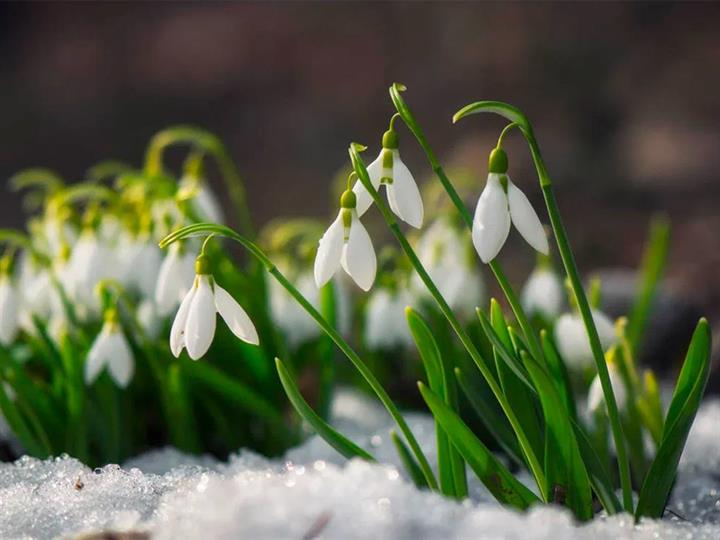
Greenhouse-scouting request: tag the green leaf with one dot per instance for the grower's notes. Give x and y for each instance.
(652, 268)
(491, 416)
(499, 481)
(686, 399)
(566, 474)
(411, 466)
(559, 373)
(434, 368)
(523, 401)
(338, 441)
(503, 352)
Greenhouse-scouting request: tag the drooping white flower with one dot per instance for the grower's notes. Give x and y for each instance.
(194, 324)
(110, 350)
(149, 318)
(346, 243)
(88, 264)
(447, 256)
(500, 204)
(402, 190)
(572, 340)
(543, 293)
(385, 323)
(35, 288)
(140, 259)
(9, 307)
(175, 278)
(596, 398)
(289, 316)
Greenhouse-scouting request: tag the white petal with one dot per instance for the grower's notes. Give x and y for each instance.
(543, 293)
(364, 199)
(177, 332)
(121, 364)
(8, 312)
(596, 398)
(573, 343)
(208, 205)
(526, 220)
(201, 320)
(404, 195)
(235, 316)
(491, 223)
(166, 289)
(329, 252)
(98, 355)
(605, 328)
(358, 257)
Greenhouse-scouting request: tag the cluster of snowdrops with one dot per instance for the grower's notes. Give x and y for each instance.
(112, 266)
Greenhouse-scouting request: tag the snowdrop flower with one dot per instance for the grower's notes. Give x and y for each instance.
(346, 243)
(194, 325)
(385, 323)
(9, 306)
(572, 340)
(543, 293)
(175, 278)
(596, 398)
(402, 191)
(149, 318)
(110, 350)
(35, 288)
(88, 264)
(501, 203)
(289, 316)
(447, 255)
(142, 258)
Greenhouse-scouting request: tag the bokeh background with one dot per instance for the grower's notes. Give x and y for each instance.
(625, 99)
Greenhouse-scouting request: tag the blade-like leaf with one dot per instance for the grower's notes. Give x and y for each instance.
(686, 399)
(504, 353)
(559, 373)
(567, 477)
(499, 481)
(338, 441)
(411, 466)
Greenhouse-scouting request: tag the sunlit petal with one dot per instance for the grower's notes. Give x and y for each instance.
(235, 316)
(491, 223)
(526, 220)
(201, 319)
(404, 195)
(358, 257)
(329, 251)
(121, 364)
(364, 199)
(177, 332)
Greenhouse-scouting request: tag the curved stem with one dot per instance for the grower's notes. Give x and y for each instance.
(533, 462)
(515, 115)
(255, 251)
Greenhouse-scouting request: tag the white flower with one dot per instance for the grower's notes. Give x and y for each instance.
(35, 289)
(149, 318)
(346, 243)
(175, 278)
(385, 323)
(596, 398)
(110, 350)
(543, 293)
(141, 259)
(194, 325)
(402, 190)
(572, 340)
(88, 264)
(289, 316)
(501, 203)
(447, 257)
(9, 305)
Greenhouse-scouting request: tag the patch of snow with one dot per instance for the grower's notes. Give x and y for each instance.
(314, 493)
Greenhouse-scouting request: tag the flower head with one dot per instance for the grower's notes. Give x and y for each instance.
(596, 398)
(543, 293)
(402, 190)
(385, 323)
(175, 278)
(9, 305)
(572, 339)
(110, 350)
(500, 204)
(346, 243)
(194, 324)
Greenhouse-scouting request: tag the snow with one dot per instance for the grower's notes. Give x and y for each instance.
(314, 493)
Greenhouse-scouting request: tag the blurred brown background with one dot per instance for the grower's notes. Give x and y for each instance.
(625, 99)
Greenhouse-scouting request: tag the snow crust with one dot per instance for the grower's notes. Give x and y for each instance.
(314, 493)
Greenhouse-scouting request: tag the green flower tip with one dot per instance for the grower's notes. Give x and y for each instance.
(357, 147)
(202, 265)
(400, 87)
(348, 199)
(498, 161)
(390, 139)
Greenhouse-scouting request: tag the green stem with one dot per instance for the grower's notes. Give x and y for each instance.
(515, 115)
(535, 466)
(495, 266)
(255, 251)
